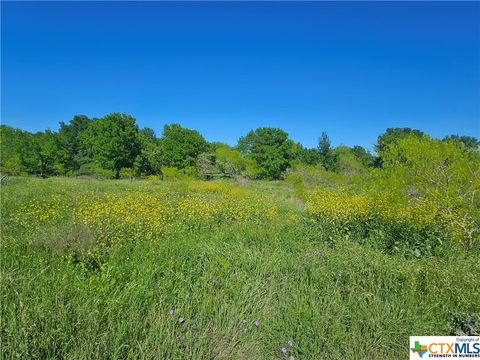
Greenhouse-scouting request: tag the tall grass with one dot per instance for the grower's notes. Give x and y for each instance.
(333, 297)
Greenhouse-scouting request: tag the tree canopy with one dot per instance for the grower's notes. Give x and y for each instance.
(179, 147)
(114, 146)
(270, 148)
(111, 142)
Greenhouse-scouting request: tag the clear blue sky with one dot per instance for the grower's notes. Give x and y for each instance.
(351, 69)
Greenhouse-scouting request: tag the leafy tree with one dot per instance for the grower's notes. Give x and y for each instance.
(126, 173)
(232, 163)
(27, 149)
(206, 167)
(307, 156)
(226, 163)
(112, 142)
(271, 150)
(365, 157)
(441, 171)
(11, 143)
(343, 161)
(324, 145)
(306, 177)
(46, 153)
(70, 143)
(179, 147)
(469, 142)
(148, 161)
(172, 173)
(213, 146)
(12, 165)
(325, 150)
(36, 153)
(392, 135)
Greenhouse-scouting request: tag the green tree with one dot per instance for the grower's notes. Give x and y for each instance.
(343, 161)
(365, 157)
(179, 147)
(393, 135)
(231, 163)
(325, 150)
(70, 143)
(206, 167)
(307, 156)
(213, 146)
(148, 161)
(47, 153)
(271, 150)
(226, 162)
(469, 142)
(11, 144)
(111, 142)
(441, 171)
(22, 151)
(27, 151)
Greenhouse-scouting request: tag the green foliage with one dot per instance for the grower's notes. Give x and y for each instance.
(206, 167)
(12, 143)
(469, 142)
(46, 144)
(232, 163)
(392, 135)
(70, 144)
(112, 142)
(324, 145)
(126, 173)
(343, 161)
(64, 296)
(271, 149)
(171, 173)
(422, 167)
(95, 170)
(225, 163)
(33, 153)
(102, 147)
(90, 269)
(364, 156)
(148, 161)
(213, 146)
(305, 178)
(20, 151)
(307, 156)
(11, 165)
(179, 147)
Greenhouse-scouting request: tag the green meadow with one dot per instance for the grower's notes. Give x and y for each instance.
(108, 269)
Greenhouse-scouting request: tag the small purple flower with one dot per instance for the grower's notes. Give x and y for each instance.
(291, 357)
(283, 350)
(170, 312)
(290, 342)
(181, 320)
(257, 323)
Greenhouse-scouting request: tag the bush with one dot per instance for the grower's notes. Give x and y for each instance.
(171, 173)
(95, 170)
(414, 229)
(304, 178)
(126, 173)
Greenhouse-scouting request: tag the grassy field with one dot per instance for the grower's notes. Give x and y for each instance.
(195, 270)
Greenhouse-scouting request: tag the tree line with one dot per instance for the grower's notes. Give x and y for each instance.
(116, 147)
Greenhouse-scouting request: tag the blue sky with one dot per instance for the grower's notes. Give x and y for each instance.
(351, 69)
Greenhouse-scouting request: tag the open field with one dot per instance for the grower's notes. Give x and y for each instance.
(109, 269)
(251, 180)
